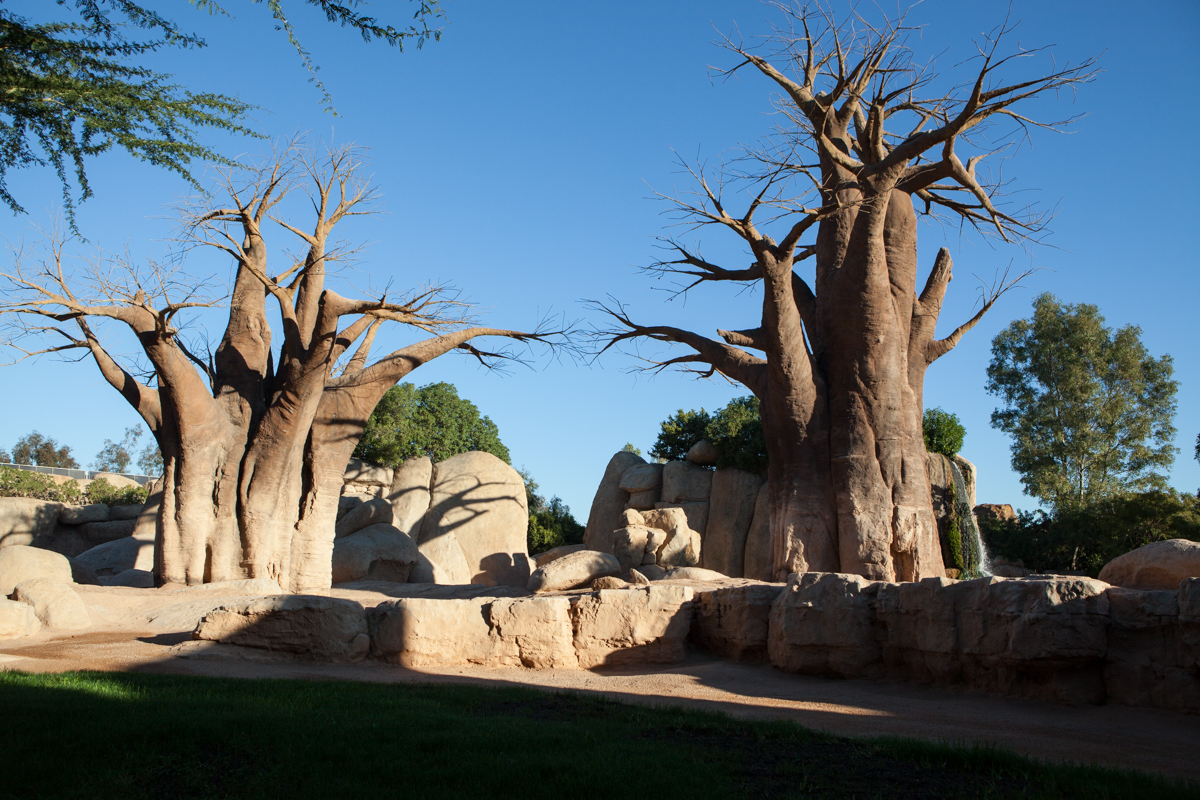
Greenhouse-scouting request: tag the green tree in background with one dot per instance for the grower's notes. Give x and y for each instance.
(629, 448)
(679, 433)
(1088, 408)
(33, 448)
(943, 431)
(736, 432)
(551, 523)
(116, 456)
(430, 421)
(70, 91)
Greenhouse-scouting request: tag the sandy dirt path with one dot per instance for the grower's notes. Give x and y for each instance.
(1142, 738)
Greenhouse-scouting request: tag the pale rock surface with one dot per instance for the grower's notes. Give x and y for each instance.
(56, 604)
(573, 571)
(540, 629)
(652, 572)
(995, 512)
(643, 500)
(631, 516)
(637, 545)
(637, 578)
(555, 553)
(642, 625)
(20, 563)
(23, 519)
(129, 511)
(325, 628)
(734, 621)
(147, 521)
(360, 472)
(1158, 565)
(759, 560)
(686, 482)
(17, 620)
(482, 501)
(111, 558)
(77, 515)
(409, 495)
(373, 512)
(693, 574)
(696, 515)
(682, 545)
(703, 453)
(609, 502)
(641, 478)
(378, 552)
(609, 582)
(731, 511)
(100, 532)
(440, 560)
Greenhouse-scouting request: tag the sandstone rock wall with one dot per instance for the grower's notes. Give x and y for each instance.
(1072, 640)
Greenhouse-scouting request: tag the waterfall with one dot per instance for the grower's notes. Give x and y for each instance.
(976, 562)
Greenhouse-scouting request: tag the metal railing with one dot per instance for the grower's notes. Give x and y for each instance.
(81, 474)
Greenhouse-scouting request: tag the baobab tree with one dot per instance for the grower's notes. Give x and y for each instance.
(865, 144)
(255, 439)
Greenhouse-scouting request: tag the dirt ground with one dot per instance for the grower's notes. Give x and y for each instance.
(1142, 738)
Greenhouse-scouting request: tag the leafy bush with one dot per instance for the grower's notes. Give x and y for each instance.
(19, 483)
(551, 523)
(680, 432)
(101, 491)
(736, 432)
(943, 432)
(1087, 539)
(629, 448)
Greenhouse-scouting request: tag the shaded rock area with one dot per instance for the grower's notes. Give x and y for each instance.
(324, 628)
(63, 528)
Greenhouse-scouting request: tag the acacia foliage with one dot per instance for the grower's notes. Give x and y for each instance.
(74, 90)
(1089, 409)
(432, 420)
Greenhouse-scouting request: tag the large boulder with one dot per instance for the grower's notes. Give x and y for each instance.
(324, 628)
(573, 571)
(117, 481)
(695, 513)
(703, 453)
(56, 604)
(995, 512)
(682, 545)
(112, 558)
(642, 625)
(609, 502)
(99, 532)
(641, 478)
(482, 501)
(440, 560)
(23, 519)
(686, 482)
(77, 515)
(1158, 565)
(378, 552)
(730, 514)
(20, 563)
(364, 515)
(17, 620)
(409, 495)
(760, 559)
(364, 473)
(824, 624)
(635, 545)
(555, 553)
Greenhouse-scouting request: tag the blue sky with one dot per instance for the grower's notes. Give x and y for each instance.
(518, 157)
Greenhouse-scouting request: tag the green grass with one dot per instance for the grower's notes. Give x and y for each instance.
(99, 735)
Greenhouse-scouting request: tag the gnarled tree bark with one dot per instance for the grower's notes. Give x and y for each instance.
(254, 451)
(841, 378)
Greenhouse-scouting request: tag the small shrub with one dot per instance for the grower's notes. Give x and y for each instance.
(101, 491)
(943, 432)
(680, 432)
(20, 483)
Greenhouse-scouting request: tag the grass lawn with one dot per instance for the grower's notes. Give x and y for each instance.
(100, 735)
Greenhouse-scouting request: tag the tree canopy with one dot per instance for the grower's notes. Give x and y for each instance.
(33, 448)
(1089, 409)
(74, 90)
(430, 421)
(943, 431)
(735, 431)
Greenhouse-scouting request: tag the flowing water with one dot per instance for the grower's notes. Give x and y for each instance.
(976, 561)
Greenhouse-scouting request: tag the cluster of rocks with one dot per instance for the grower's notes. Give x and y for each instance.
(1074, 640)
(463, 520)
(37, 590)
(63, 528)
(726, 509)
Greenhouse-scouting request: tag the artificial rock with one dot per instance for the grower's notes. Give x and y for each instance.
(609, 502)
(373, 512)
(1158, 565)
(573, 571)
(324, 628)
(731, 513)
(378, 552)
(20, 563)
(56, 604)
